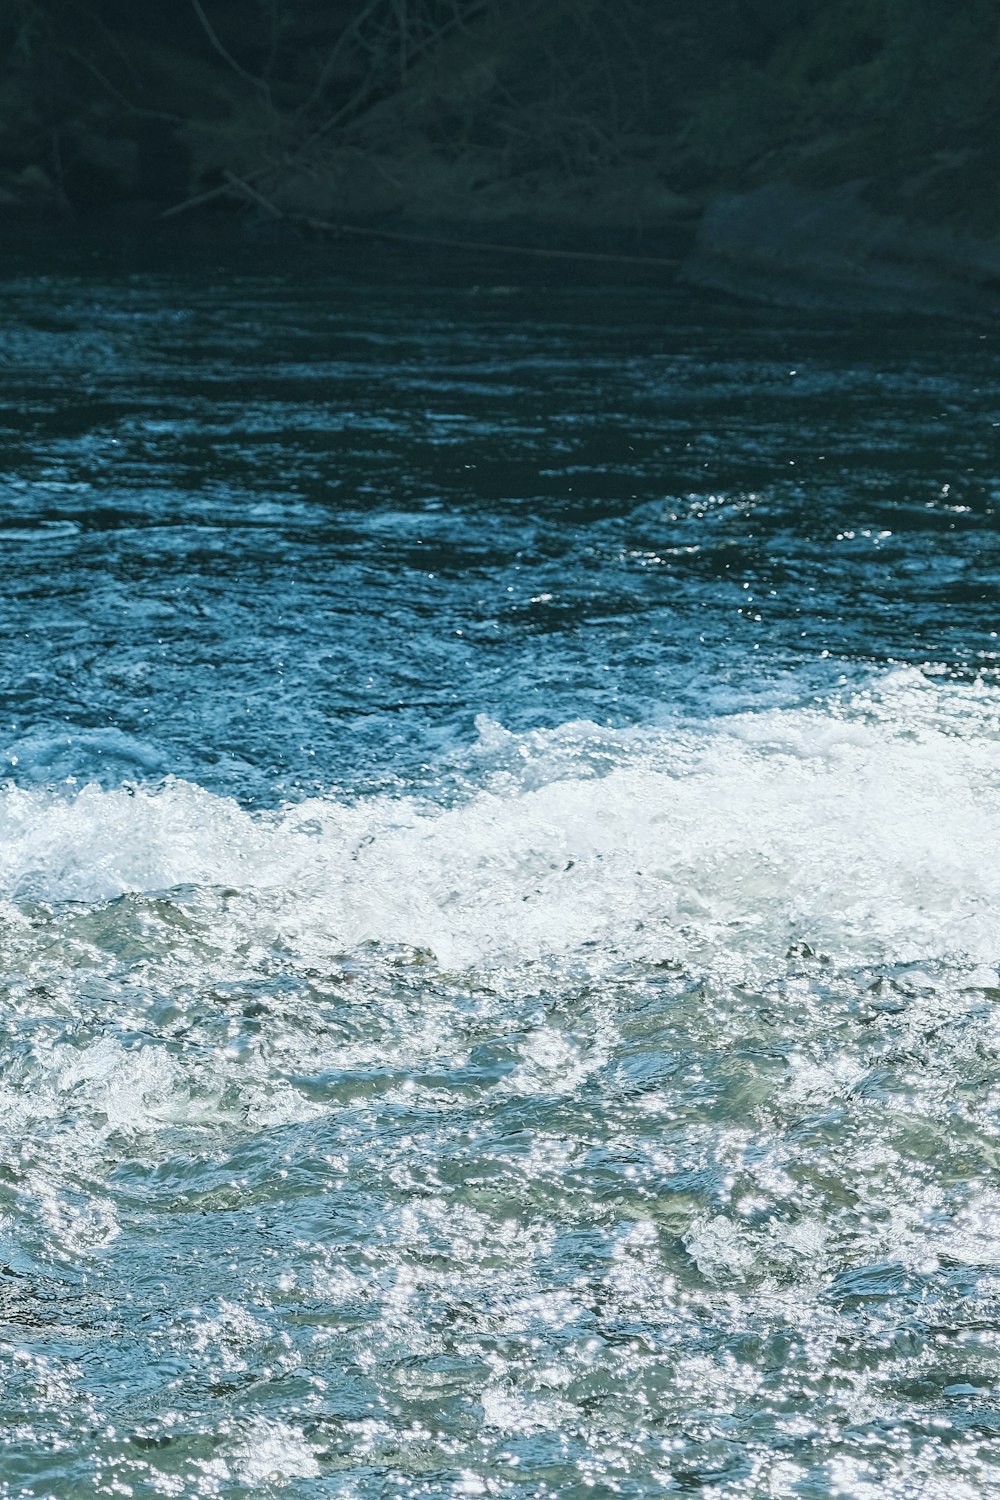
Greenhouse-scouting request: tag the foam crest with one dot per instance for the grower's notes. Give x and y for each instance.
(868, 828)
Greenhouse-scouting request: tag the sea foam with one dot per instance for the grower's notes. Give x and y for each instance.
(866, 827)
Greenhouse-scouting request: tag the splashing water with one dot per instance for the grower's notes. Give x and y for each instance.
(497, 1137)
(600, 1103)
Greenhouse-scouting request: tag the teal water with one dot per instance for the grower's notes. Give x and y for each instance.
(499, 907)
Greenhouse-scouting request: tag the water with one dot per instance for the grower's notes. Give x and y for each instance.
(499, 904)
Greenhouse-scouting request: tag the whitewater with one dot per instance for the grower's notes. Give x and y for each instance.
(499, 901)
(867, 827)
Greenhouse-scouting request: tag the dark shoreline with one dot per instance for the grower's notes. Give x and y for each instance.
(777, 151)
(778, 245)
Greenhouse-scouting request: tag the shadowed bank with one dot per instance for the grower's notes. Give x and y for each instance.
(782, 148)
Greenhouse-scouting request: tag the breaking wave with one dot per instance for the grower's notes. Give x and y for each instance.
(866, 827)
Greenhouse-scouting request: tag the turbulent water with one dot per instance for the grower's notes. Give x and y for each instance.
(499, 890)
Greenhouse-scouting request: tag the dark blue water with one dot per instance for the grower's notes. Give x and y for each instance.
(291, 529)
(499, 909)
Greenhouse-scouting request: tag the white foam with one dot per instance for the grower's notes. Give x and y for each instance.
(273, 1452)
(868, 828)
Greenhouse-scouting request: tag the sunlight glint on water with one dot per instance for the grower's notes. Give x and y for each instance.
(487, 1012)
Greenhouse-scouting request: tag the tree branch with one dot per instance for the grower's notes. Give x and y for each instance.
(258, 83)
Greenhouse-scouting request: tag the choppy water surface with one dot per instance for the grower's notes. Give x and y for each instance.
(500, 896)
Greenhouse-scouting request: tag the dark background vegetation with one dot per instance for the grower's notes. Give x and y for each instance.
(548, 121)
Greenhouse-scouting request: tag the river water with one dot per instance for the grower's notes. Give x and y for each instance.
(499, 890)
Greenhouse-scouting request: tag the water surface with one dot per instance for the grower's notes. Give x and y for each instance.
(499, 907)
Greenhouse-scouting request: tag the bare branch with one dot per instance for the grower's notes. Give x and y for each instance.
(258, 83)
